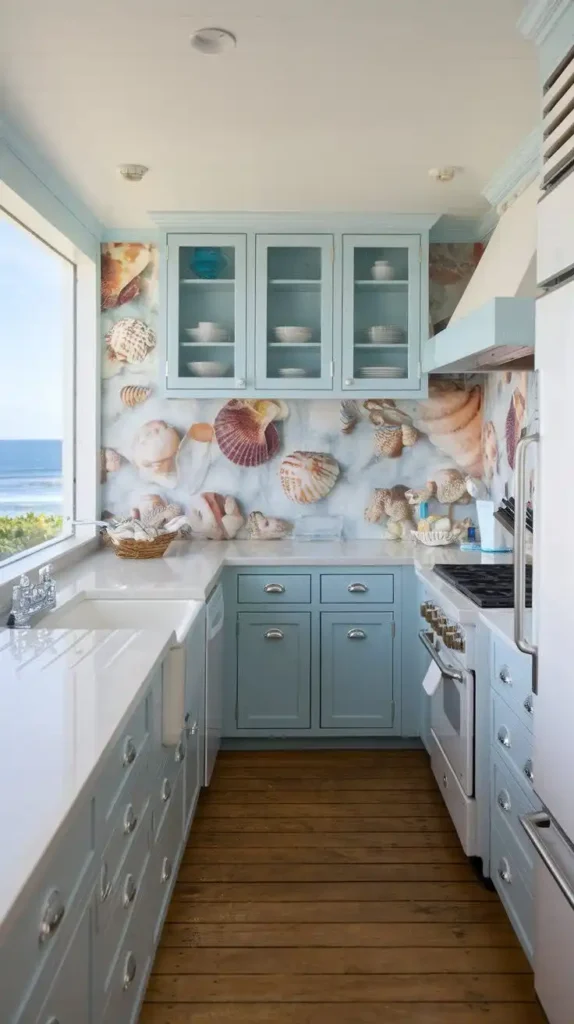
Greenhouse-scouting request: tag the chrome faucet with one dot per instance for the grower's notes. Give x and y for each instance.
(30, 598)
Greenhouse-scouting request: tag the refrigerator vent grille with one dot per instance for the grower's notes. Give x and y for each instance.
(558, 123)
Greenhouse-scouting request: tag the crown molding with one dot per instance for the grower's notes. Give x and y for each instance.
(516, 174)
(539, 17)
(355, 223)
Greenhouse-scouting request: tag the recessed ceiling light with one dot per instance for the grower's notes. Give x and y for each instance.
(133, 172)
(213, 41)
(443, 174)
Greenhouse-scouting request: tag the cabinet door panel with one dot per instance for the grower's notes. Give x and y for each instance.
(357, 670)
(274, 671)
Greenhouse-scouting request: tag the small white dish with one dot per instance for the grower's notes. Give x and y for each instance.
(207, 333)
(384, 334)
(208, 369)
(292, 371)
(293, 335)
(382, 270)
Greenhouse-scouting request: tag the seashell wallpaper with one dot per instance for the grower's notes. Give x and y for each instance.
(242, 467)
(510, 406)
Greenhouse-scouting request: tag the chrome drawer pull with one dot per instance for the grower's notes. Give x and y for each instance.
(105, 886)
(504, 872)
(130, 967)
(274, 588)
(130, 752)
(166, 870)
(529, 770)
(130, 820)
(179, 752)
(53, 1020)
(130, 890)
(165, 790)
(356, 634)
(504, 801)
(52, 915)
(357, 588)
(274, 634)
(528, 704)
(190, 729)
(503, 737)
(504, 676)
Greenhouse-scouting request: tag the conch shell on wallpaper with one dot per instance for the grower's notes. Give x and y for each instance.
(390, 441)
(262, 527)
(245, 431)
(349, 415)
(110, 462)
(134, 394)
(306, 477)
(215, 517)
(154, 450)
(390, 502)
(121, 266)
(452, 418)
(448, 488)
(514, 423)
(385, 412)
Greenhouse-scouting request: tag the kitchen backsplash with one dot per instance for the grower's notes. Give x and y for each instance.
(510, 406)
(179, 450)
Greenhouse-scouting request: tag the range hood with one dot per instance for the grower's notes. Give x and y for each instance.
(493, 325)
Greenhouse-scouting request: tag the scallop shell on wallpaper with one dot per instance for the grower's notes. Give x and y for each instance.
(130, 340)
(388, 442)
(134, 394)
(513, 426)
(262, 527)
(121, 265)
(451, 417)
(154, 450)
(349, 415)
(245, 432)
(307, 477)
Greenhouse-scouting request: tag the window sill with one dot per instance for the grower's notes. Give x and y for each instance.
(61, 554)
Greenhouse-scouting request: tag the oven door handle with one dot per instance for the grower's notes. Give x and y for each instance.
(449, 673)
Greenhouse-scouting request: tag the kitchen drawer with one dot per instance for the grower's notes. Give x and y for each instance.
(126, 824)
(68, 987)
(130, 970)
(357, 588)
(273, 589)
(512, 679)
(508, 803)
(513, 742)
(514, 889)
(123, 764)
(115, 910)
(165, 859)
(164, 787)
(59, 885)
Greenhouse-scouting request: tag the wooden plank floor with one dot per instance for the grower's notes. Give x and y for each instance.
(330, 888)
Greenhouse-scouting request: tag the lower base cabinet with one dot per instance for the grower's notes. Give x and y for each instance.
(357, 670)
(70, 992)
(274, 670)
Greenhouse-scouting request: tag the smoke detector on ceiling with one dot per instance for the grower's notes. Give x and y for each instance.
(443, 174)
(213, 41)
(133, 172)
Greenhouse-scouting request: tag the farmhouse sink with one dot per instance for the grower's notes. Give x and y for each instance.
(84, 612)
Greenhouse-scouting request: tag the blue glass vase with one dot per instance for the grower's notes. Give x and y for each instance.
(207, 262)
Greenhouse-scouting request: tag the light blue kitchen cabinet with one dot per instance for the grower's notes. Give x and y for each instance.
(207, 312)
(274, 670)
(357, 670)
(294, 312)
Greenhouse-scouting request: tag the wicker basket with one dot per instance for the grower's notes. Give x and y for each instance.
(127, 547)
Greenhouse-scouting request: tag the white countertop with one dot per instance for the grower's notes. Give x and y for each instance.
(65, 696)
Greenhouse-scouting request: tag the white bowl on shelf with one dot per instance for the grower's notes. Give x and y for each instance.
(207, 333)
(385, 334)
(292, 371)
(293, 335)
(382, 270)
(209, 369)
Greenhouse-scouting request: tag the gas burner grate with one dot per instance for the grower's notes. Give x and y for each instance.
(488, 586)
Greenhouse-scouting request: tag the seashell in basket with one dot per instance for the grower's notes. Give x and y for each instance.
(130, 340)
(134, 394)
(436, 538)
(307, 477)
(245, 432)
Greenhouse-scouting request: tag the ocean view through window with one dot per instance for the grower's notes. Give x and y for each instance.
(37, 287)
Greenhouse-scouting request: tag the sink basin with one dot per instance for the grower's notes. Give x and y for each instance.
(111, 613)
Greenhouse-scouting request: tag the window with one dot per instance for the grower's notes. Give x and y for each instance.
(37, 328)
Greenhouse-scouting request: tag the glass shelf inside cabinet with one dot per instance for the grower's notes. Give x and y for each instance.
(206, 311)
(381, 308)
(294, 275)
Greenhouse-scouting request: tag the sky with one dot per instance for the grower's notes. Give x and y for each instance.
(32, 324)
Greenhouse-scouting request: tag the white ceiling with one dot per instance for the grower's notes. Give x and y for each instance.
(325, 104)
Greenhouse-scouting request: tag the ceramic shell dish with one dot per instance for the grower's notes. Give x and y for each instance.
(130, 340)
(452, 419)
(121, 265)
(307, 477)
(154, 450)
(245, 432)
(261, 527)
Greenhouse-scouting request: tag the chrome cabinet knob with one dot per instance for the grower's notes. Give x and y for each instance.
(504, 676)
(357, 588)
(165, 790)
(52, 915)
(528, 704)
(52, 1020)
(130, 968)
(130, 820)
(356, 634)
(240, 382)
(274, 634)
(445, 782)
(349, 382)
(503, 737)
(130, 890)
(504, 872)
(130, 752)
(105, 885)
(166, 869)
(528, 770)
(274, 588)
(179, 752)
(503, 800)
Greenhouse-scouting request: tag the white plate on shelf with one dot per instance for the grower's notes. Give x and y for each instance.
(375, 372)
(207, 334)
(384, 334)
(292, 371)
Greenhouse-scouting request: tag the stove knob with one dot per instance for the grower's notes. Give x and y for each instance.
(440, 625)
(449, 636)
(459, 642)
(429, 612)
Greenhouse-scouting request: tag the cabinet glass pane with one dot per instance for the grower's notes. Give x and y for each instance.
(294, 277)
(381, 310)
(207, 311)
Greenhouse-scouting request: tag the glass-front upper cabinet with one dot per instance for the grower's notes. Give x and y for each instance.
(294, 312)
(207, 310)
(381, 313)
